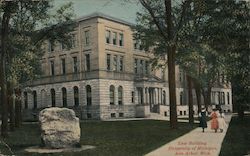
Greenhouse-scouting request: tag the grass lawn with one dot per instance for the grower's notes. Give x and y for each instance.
(237, 140)
(119, 138)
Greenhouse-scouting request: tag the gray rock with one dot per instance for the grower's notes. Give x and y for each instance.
(60, 128)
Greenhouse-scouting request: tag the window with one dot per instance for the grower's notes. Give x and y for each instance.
(120, 95)
(121, 114)
(73, 41)
(53, 97)
(63, 46)
(87, 37)
(165, 113)
(135, 66)
(115, 62)
(76, 96)
(121, 39)
(89, 116)
(114, 38)
(52, 68)
(108, 62)
(89, 96)
(112, 115)
(50, 46)
(138, 45)
(132, 96)
(180, 112)
(121, 63)
(63, 66)
(181, 98)
(25, 100)
(141, 66)
(164, 97)
(146, 67)
(64, 97)
(135, 44)
(87, 57)
(228, 98)
(34, 100)
(75, 64)
(112, 95)
(108, 35)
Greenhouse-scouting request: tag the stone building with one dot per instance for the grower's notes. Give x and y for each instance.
(105, 74)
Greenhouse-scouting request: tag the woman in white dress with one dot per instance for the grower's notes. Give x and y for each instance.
(221, 121)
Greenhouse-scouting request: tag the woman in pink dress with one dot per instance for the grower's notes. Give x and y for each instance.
(214, 121)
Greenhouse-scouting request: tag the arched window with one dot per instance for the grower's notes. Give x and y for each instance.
(89, 96)
(181, 98)
(76, 96)
(53, 97)
(120, 95)
(34, 100)
(164, 97)
(64, 97)
(112, 95)
(25, 100)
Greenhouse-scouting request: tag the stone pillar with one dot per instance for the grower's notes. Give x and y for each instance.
(157, 96)
(144, 95)
(147, 95)
(160, 96)
(154, 96)
(136, 95)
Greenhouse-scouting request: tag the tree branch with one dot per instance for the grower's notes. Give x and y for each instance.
(150, 10)
(180, 23)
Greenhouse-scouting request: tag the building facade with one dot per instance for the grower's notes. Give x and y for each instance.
(104, 74)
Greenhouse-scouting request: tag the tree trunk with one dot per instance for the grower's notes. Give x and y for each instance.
(3, 81)
(171, 49)
(11, 106)
(18, 108)
(207, 97)
(198, 95)
(190, 100)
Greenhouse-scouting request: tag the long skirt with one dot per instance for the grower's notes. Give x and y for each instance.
(222, 123)
(203, 122)
(214, 123)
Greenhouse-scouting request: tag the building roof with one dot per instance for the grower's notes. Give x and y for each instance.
(104, 16)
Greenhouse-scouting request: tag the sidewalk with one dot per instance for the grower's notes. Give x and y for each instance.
(194, 143)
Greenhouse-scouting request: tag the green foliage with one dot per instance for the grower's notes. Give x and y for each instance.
(32, 23)
(212, 39)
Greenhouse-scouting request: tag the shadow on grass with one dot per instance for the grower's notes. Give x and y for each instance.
(121, 138)
(237, 140)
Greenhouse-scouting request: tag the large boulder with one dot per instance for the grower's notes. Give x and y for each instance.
(60, 128)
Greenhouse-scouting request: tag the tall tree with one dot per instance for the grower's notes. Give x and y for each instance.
(24, 27)
(159, 28)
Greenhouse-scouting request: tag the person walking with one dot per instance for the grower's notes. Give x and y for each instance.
(214, 121)
(221, 121)
(203, 119)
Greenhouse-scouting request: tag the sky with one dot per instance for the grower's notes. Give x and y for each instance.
(115, 8)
